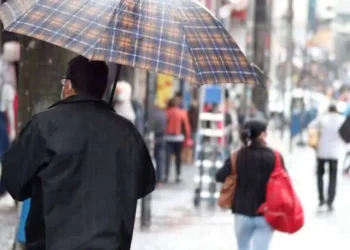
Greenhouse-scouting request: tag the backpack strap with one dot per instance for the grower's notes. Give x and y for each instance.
(278, 160)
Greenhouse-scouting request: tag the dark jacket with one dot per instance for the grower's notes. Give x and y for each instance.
(254, 166)
(140, 113)
(84, 167)
(193, 114)
(159, 122)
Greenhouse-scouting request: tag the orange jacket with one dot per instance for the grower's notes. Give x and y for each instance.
(177, 120)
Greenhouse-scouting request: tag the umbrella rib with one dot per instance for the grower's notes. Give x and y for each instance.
(20, 17)
(67, 22)
(117, 12)
(115, 18)
(47, 18)
(182, 55)
(83, 30)
(212, 40)
(196, 63)
(241, 72)
(232, 54)
(137, 34)
(11, 10)
(161, 34)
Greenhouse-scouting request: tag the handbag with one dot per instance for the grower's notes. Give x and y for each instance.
(313, 137)
(344, 130)
(227, 192)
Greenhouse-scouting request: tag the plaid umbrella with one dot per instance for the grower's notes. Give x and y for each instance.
(174, 37)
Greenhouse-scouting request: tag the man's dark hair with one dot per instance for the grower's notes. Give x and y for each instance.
(179, 94)
(332, 108)
(88, 77)
(172, 103)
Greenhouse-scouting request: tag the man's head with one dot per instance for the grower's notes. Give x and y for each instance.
(332, 108)
(85, 77)
(178, 98)
(123, 92)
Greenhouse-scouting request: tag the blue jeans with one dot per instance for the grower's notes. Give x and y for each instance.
(252, 233)
(160, 158)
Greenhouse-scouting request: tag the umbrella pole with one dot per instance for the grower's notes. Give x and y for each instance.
(117, 75)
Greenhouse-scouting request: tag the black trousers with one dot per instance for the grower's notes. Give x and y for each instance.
(333, 166)
(173, 148)
(346, 167)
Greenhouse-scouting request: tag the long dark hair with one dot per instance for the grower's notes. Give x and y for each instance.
(252, 129)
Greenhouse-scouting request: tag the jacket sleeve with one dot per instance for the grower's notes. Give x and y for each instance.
(146, 175)
(22, 161)
(225, 171)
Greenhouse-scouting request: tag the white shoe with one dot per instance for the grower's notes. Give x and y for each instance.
(6, 201)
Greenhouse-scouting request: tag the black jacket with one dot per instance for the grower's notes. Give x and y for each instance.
(84, 168)
(254, 166)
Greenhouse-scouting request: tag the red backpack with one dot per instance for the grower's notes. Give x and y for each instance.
(282, 208)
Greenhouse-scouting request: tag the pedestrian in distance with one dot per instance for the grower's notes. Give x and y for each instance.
(178, 132)
(7, 113)
(253, 166)
(83, 166)
(193, 114)
(329, 149)
(158, 124)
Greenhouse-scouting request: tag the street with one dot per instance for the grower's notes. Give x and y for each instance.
(177, 225)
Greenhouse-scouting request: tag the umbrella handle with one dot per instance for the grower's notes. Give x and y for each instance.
(119, 68)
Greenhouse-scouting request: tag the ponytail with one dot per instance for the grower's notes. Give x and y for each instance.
(251, 131)
(245, 136)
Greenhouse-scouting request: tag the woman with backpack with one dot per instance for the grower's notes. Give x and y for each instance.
(254, 163)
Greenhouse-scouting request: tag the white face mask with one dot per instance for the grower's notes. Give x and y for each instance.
(62, 93)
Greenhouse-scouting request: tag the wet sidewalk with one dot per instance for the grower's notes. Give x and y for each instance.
(178, 225)
(8, 220)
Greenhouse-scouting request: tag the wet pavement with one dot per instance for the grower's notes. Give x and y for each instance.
(178, 225)
(8, 218)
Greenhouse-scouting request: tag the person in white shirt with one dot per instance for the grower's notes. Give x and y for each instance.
(7, 116)
(329, 150)
(123, 105)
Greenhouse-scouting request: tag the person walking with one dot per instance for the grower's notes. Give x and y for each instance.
(122, 101)
(329, 149)
(193, 116)
(83, 166)
(159, 125)
(255, 163)
(177, 132)
(8, 94)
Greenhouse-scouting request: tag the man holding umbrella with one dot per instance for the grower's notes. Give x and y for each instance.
(178, 44)
(82, 165)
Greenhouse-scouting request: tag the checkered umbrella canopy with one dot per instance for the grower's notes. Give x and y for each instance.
(174, 37)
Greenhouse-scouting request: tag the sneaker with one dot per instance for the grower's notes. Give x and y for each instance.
(330, 208)
(321, 204)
